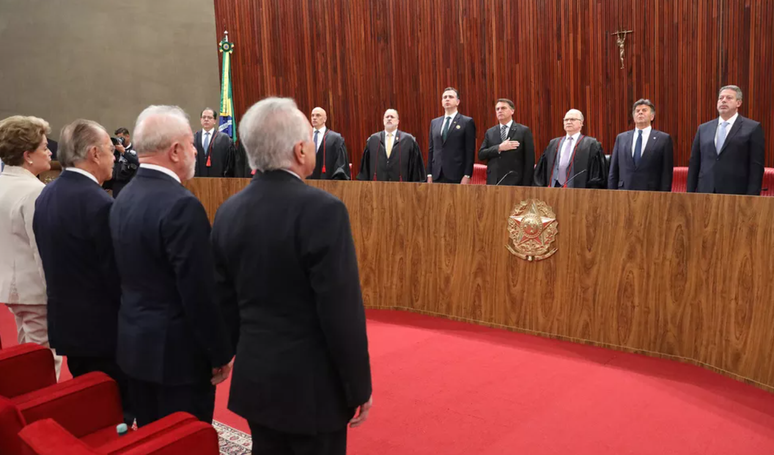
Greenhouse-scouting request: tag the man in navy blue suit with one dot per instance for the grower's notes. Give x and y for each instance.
(728, 153)
(642, 158)
(452, 143)
(73, 236)
(172, 339)
(284, 251)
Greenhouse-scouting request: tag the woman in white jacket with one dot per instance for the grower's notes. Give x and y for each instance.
(24, 151)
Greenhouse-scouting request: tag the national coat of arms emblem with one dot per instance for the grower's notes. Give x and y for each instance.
(532, 228)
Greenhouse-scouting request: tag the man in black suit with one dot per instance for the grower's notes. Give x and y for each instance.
(73, 237)
(215, 154)
(332, 156)
(284, 251)
(573, 160)
(728, 153)
(642, 159)
(508, 149)
(452, 143)
(172, 340)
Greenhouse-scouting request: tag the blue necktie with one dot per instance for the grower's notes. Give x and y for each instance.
(638, 148)
(206, 145)
(445, 131)
(316, 132)
(721, 137)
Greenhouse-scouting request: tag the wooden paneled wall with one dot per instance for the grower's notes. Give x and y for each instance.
(685, 276)
(358, 58)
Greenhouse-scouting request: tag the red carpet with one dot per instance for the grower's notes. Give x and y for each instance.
(444, 387)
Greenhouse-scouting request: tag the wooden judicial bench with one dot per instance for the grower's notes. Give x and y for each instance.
(688, 277)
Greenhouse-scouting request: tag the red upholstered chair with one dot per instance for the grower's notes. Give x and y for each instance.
(87, 407)
(188, 436)
(768, 182)
(479, 174)
(680, 180)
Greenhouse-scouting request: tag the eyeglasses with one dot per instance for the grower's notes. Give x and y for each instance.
(208, 117)
(572, 120)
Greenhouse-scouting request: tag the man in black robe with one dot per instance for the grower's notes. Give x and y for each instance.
(215, 151)
(574, 160)
(332, 157)
(392, 155)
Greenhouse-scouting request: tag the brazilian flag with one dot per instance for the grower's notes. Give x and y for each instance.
(227, 121)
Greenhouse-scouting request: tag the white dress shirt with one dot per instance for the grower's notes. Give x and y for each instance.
(162, 169)
(320, 136)
(82, 172)
(645, 136)
(21, 273)
(730, 125)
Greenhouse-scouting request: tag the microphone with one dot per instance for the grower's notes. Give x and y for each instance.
(506, 175)
(571, 178)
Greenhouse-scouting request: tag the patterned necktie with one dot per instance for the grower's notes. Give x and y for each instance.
(721, 137)
(638, 148)
(206, 145)
(445, 131)
(503, 133)
(316, 132)
(389, 144)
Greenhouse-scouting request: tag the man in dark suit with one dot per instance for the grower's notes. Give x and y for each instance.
(332, 156)
(172, 340)
(73, 237)
(508, 149)
(215, 154)
(642, 159)
(728, 153)
(452, 143)
(284, 251)
(573, 160)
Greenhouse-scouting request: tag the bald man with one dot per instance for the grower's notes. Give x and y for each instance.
(573, 160)
(392, 155)
(332, 157)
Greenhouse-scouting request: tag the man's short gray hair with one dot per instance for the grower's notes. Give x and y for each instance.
(269, 130)
(731, 87)
(158, 127)
(76, 139)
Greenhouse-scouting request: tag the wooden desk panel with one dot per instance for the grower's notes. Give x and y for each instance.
(686, 276)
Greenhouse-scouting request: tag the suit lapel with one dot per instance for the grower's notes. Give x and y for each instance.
(650, 147)
(628, 150)
(452, 127)
(512, 131)
(734, 129)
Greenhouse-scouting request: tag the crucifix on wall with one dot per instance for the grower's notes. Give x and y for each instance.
(621, 40)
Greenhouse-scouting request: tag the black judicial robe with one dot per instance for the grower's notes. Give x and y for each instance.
(219, 161)
(332, 159)
(588, 168)
(404, 164)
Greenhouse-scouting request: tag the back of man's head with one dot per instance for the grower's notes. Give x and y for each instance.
(76, 139)
(269, 130)
(158, 127)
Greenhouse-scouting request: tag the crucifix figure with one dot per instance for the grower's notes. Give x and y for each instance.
(621, 40)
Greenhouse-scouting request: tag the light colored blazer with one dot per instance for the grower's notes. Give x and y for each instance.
(21, 273)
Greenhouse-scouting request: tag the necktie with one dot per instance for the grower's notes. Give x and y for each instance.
(316, 132)
(389, 144)
(564, 161)
(638, 148)
(206, 145)
(721, 137)
(503, 133)
(445, 131)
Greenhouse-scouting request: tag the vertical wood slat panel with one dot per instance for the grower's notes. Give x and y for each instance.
(357, 59)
